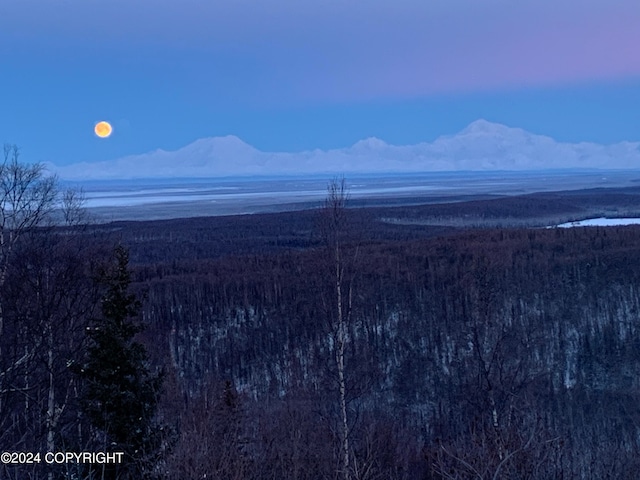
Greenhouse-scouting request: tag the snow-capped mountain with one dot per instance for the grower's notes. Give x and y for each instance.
(481, 146)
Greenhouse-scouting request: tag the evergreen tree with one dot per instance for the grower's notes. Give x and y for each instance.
(120, 393)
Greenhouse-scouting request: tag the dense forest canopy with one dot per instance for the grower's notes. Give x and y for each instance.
(403, 342)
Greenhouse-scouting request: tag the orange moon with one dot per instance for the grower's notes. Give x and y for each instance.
(103, 129)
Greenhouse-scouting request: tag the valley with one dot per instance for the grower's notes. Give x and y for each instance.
(474, 331)
(446, 334)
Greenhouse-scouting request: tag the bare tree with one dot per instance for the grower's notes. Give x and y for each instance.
(27, 197)
(45, 296)
(506, 433)
(73, 207)
(212, 438)
(334, 225)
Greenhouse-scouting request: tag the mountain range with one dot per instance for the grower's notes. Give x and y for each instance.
(481, 146)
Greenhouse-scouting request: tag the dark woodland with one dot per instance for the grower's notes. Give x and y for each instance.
(441, 341)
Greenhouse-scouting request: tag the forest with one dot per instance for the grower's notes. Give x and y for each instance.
(453, 340)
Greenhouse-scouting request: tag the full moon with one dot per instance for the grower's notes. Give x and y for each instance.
(103, 129)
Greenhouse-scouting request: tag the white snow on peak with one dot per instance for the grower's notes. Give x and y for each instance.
(481, 146)
(484, 127)
(229, 144)
(371, 143)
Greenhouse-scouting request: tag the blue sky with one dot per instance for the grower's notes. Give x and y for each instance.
(290, 75)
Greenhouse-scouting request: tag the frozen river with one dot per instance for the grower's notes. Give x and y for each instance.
(601, 222)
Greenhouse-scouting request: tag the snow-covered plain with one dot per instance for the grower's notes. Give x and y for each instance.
(173, 198)
(281, 190)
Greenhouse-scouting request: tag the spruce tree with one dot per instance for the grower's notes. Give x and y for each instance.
(119, 392)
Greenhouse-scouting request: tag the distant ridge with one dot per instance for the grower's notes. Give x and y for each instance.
(481, 146)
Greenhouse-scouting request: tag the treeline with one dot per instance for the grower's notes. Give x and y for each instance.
(166, 241)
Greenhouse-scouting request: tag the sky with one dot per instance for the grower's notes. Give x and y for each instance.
(292, 75)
